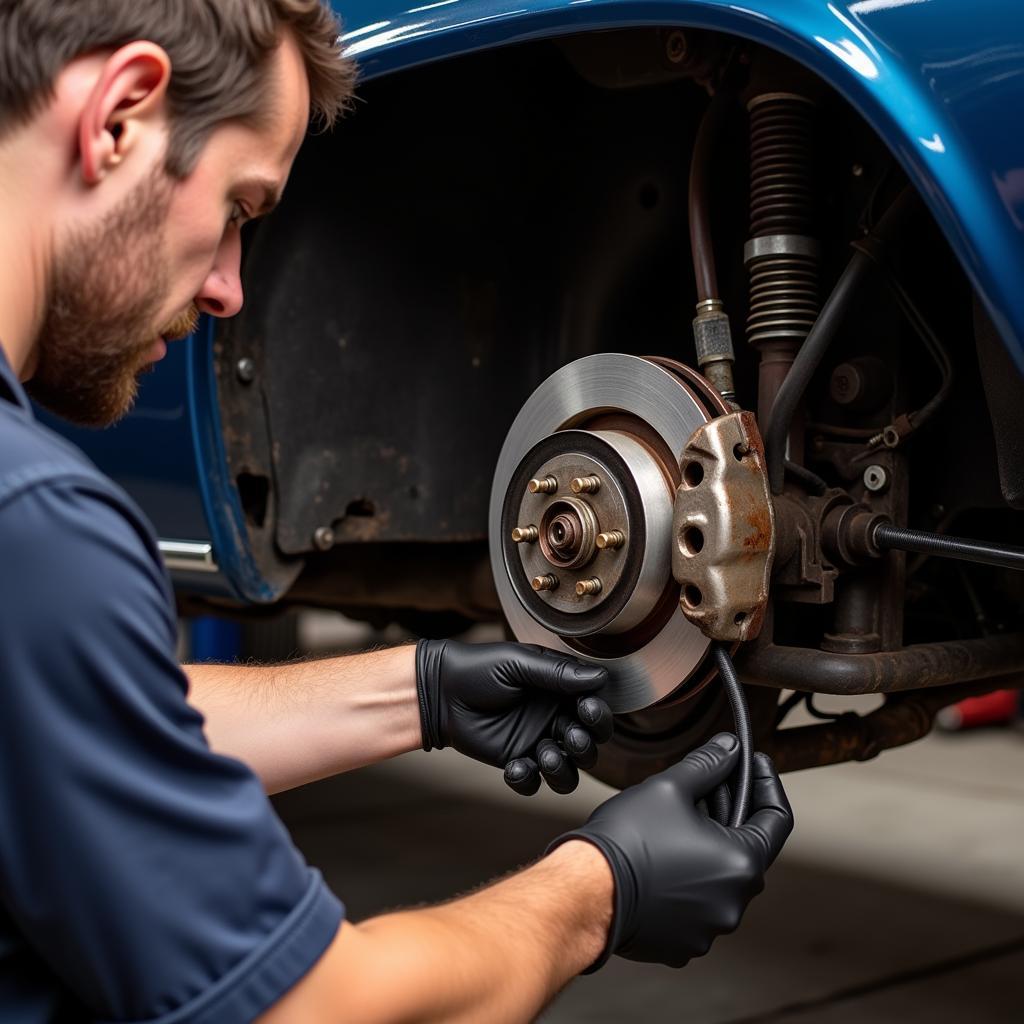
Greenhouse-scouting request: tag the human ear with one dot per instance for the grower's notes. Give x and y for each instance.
(132, 86)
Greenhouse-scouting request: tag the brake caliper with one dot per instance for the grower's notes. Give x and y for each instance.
(724, 529)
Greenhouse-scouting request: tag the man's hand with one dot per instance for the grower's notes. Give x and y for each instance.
(516, 706)
(681, 879)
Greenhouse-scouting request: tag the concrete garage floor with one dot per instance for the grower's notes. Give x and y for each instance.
(899, 898)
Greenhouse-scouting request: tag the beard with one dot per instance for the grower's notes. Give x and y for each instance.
(106, 288)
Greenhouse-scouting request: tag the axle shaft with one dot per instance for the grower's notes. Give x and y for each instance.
(895, 538)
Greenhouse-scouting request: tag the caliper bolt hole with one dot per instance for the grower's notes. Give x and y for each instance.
(693, 474)
(692, 596)
(692, 540)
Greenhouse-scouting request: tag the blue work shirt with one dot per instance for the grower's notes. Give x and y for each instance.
(142, 876)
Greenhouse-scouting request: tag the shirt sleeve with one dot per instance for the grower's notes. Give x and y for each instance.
(150, 874)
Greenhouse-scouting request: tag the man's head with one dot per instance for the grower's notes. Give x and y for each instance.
(155, 131)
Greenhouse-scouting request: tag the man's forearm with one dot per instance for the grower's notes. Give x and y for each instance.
(296, 723)
(499, 955)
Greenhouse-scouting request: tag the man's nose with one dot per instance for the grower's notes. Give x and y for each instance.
(222, 294)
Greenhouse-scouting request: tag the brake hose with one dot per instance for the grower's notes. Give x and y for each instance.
(699, 203)
(732, 808)
(727, 807)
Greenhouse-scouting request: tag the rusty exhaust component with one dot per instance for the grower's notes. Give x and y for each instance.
(724, 529)
(916, 667)
(903, 719)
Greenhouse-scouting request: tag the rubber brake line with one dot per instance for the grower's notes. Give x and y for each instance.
(731, 803)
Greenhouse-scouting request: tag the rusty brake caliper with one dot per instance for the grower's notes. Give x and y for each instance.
(724, 529)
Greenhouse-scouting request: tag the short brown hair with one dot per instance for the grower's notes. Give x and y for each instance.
(219, 50)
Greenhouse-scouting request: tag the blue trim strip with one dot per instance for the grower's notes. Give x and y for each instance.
(220, 498)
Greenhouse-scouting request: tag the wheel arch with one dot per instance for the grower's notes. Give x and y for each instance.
(937, 116)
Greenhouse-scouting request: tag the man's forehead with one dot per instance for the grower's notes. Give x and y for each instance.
(288, 100)
(259, 157)
(257, 154)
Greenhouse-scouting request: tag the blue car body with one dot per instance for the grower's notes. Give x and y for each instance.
(940, 81)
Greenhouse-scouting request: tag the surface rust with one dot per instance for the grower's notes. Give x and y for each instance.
(903, 719)
(911, 668)
(728, 511)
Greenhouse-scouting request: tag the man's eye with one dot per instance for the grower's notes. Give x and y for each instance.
(238, 215)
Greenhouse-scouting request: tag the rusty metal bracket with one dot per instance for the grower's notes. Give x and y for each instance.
(724, 529)
(941, 663)
(904, 718)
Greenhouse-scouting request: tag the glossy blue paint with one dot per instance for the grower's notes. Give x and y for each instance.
(941, 81)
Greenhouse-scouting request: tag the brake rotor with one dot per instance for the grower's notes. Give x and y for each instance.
(581, 520)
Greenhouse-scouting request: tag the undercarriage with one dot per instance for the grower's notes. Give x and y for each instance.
(644, 346)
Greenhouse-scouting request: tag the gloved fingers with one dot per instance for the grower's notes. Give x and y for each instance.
(560, 726)
(580, 746)
(576, 741)
(706, 768)
(596, 717)
(523, 776)
(771, 822)
(548, 670)
(555, 767)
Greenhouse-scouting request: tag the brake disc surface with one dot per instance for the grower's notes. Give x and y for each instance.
(580, 522)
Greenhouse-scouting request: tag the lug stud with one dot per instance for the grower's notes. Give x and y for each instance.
(548, 582)
(586, 485)
(592, 587)
(613, 539)
(545, 485)
(525, 534)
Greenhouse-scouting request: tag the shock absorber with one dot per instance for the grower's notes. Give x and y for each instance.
(782, 254)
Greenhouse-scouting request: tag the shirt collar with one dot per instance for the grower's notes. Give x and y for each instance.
(10, 387)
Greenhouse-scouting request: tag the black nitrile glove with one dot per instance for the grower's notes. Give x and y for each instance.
(514, 706)
(681, 879)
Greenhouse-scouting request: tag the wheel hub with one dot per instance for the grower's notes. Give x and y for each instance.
(591, 549)
(581, 521)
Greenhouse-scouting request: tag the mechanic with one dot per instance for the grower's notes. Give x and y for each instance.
(144, 875)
